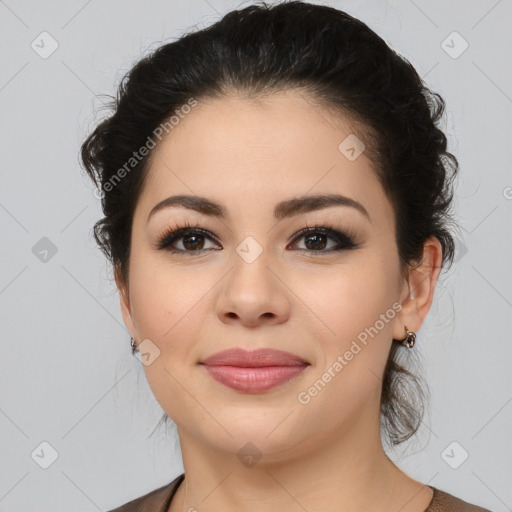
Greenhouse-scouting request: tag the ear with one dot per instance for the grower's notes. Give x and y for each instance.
(124, 297)
(418, 289)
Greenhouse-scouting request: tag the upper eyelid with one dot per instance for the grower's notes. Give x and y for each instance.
(329, 230)
(318, 226)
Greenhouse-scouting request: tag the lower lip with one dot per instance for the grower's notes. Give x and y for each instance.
(254, 380)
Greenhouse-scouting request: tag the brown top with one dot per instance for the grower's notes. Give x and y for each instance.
(160, 499)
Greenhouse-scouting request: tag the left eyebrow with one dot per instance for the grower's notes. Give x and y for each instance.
(304, 204)
(283, 209)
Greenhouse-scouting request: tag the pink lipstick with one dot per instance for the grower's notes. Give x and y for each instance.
(253, 371)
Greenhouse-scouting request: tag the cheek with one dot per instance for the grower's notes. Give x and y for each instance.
(352, 297)
(354, 303)
(354, 343)
(170, 303)
(166, 308)
(163, 295)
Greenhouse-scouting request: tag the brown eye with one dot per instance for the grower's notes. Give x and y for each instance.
(193, 242)
(191, 239)
(316, 239)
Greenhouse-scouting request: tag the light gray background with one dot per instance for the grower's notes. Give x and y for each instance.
(67, 374)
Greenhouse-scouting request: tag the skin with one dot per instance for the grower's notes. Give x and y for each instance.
(249, 155)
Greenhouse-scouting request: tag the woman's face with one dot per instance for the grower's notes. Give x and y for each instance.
(255, 284)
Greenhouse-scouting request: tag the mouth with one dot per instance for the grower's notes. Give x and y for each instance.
(254, 371)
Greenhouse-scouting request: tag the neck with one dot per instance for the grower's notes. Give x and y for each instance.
(351, 469)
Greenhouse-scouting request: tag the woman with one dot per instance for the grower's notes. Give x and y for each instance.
(276, 195)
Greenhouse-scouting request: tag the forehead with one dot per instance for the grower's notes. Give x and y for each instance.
(249, 152)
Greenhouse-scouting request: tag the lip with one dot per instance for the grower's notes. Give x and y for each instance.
(254, 371)
(253, 358)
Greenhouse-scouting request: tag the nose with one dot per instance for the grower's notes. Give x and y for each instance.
(253, 293)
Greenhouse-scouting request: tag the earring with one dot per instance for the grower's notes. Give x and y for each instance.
(132, 343)
(409, 339)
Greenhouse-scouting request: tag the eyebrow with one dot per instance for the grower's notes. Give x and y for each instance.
(282, 210)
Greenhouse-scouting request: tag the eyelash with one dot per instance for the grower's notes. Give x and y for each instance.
(176, 232)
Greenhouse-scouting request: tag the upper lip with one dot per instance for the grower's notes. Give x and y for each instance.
(253, 358)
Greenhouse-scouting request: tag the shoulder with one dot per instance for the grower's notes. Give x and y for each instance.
(154, 501)
(445, 502)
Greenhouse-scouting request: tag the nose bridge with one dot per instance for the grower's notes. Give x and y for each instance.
(250, 264)
(251, 290)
